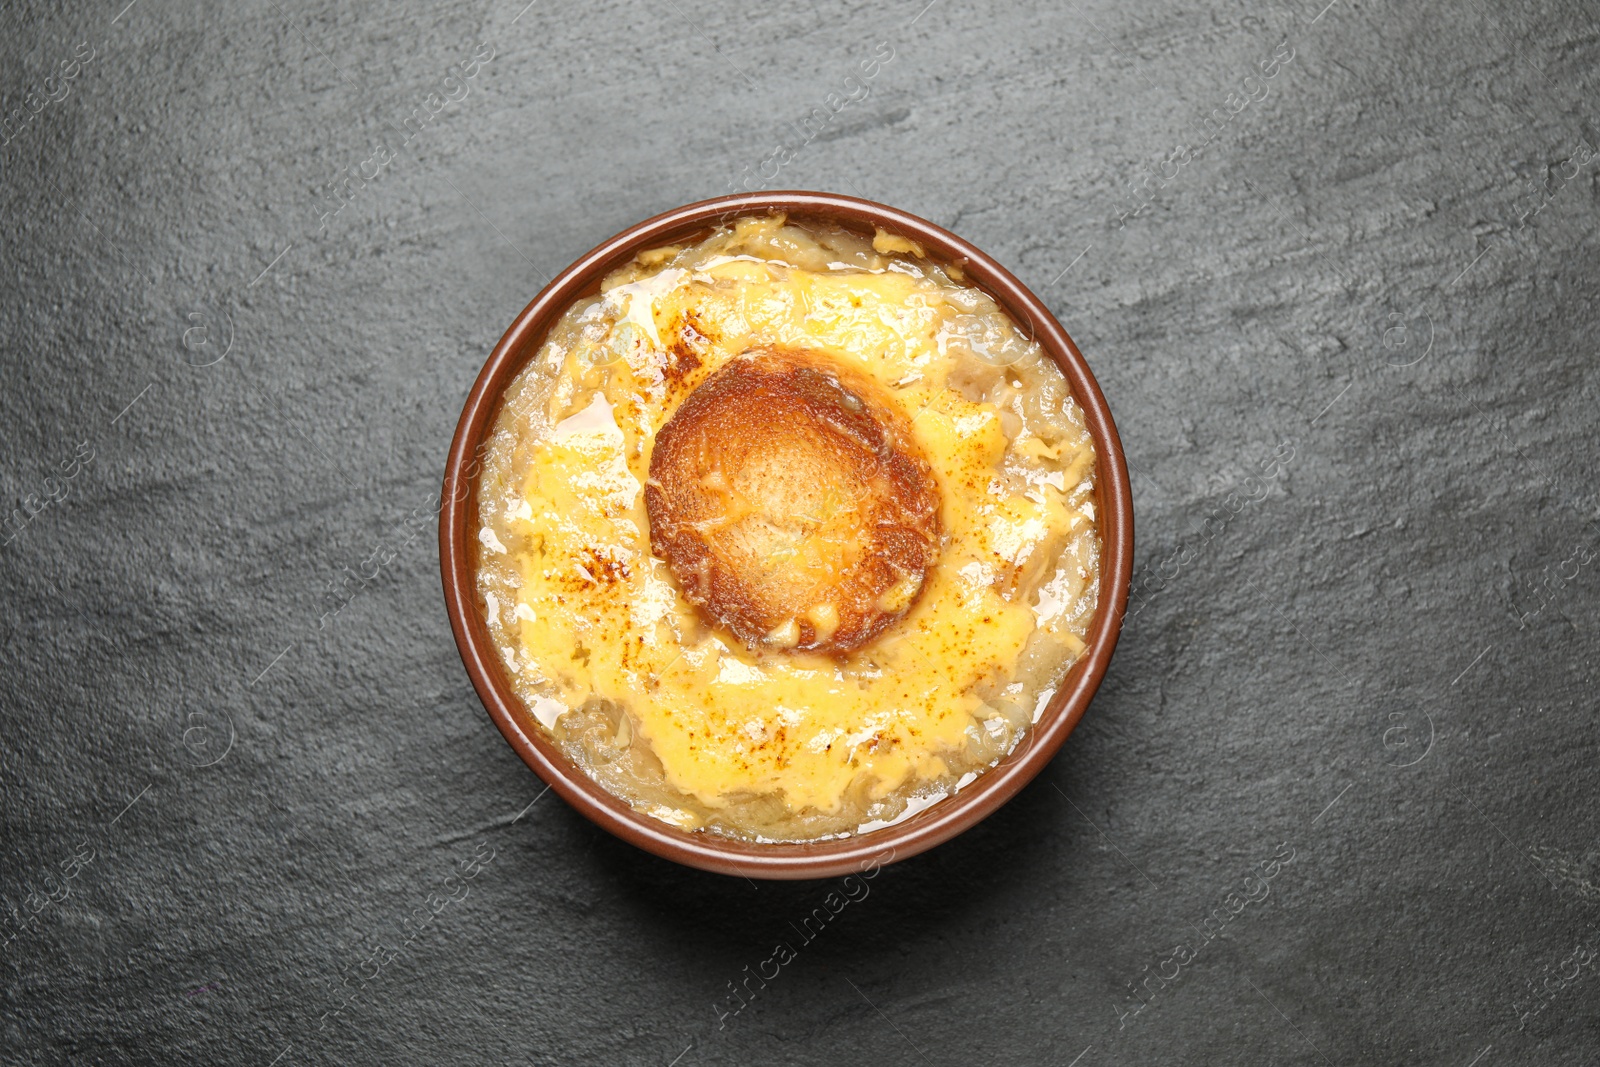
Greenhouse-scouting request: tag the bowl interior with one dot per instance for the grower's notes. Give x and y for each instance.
(818, 859)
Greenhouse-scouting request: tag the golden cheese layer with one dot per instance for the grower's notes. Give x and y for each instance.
(587, 618)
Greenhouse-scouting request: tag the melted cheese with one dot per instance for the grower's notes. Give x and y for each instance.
(597, 616)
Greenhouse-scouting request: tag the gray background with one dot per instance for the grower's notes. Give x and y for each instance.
(1381, 654)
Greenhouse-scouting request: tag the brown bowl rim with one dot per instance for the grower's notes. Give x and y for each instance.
(817, 859)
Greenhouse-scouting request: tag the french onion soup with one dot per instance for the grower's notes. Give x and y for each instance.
(787, 533)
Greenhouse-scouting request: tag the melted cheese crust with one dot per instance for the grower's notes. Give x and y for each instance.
(764, 744)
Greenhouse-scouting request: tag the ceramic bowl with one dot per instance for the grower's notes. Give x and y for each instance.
(941, 821)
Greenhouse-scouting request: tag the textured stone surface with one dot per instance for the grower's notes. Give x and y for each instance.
(1380, 651)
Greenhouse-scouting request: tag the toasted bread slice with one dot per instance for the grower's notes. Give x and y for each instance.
(791, 501)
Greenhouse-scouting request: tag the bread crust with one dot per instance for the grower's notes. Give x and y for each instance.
(788, 496)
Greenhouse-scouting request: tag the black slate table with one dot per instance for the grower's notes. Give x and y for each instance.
(1335, 267)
